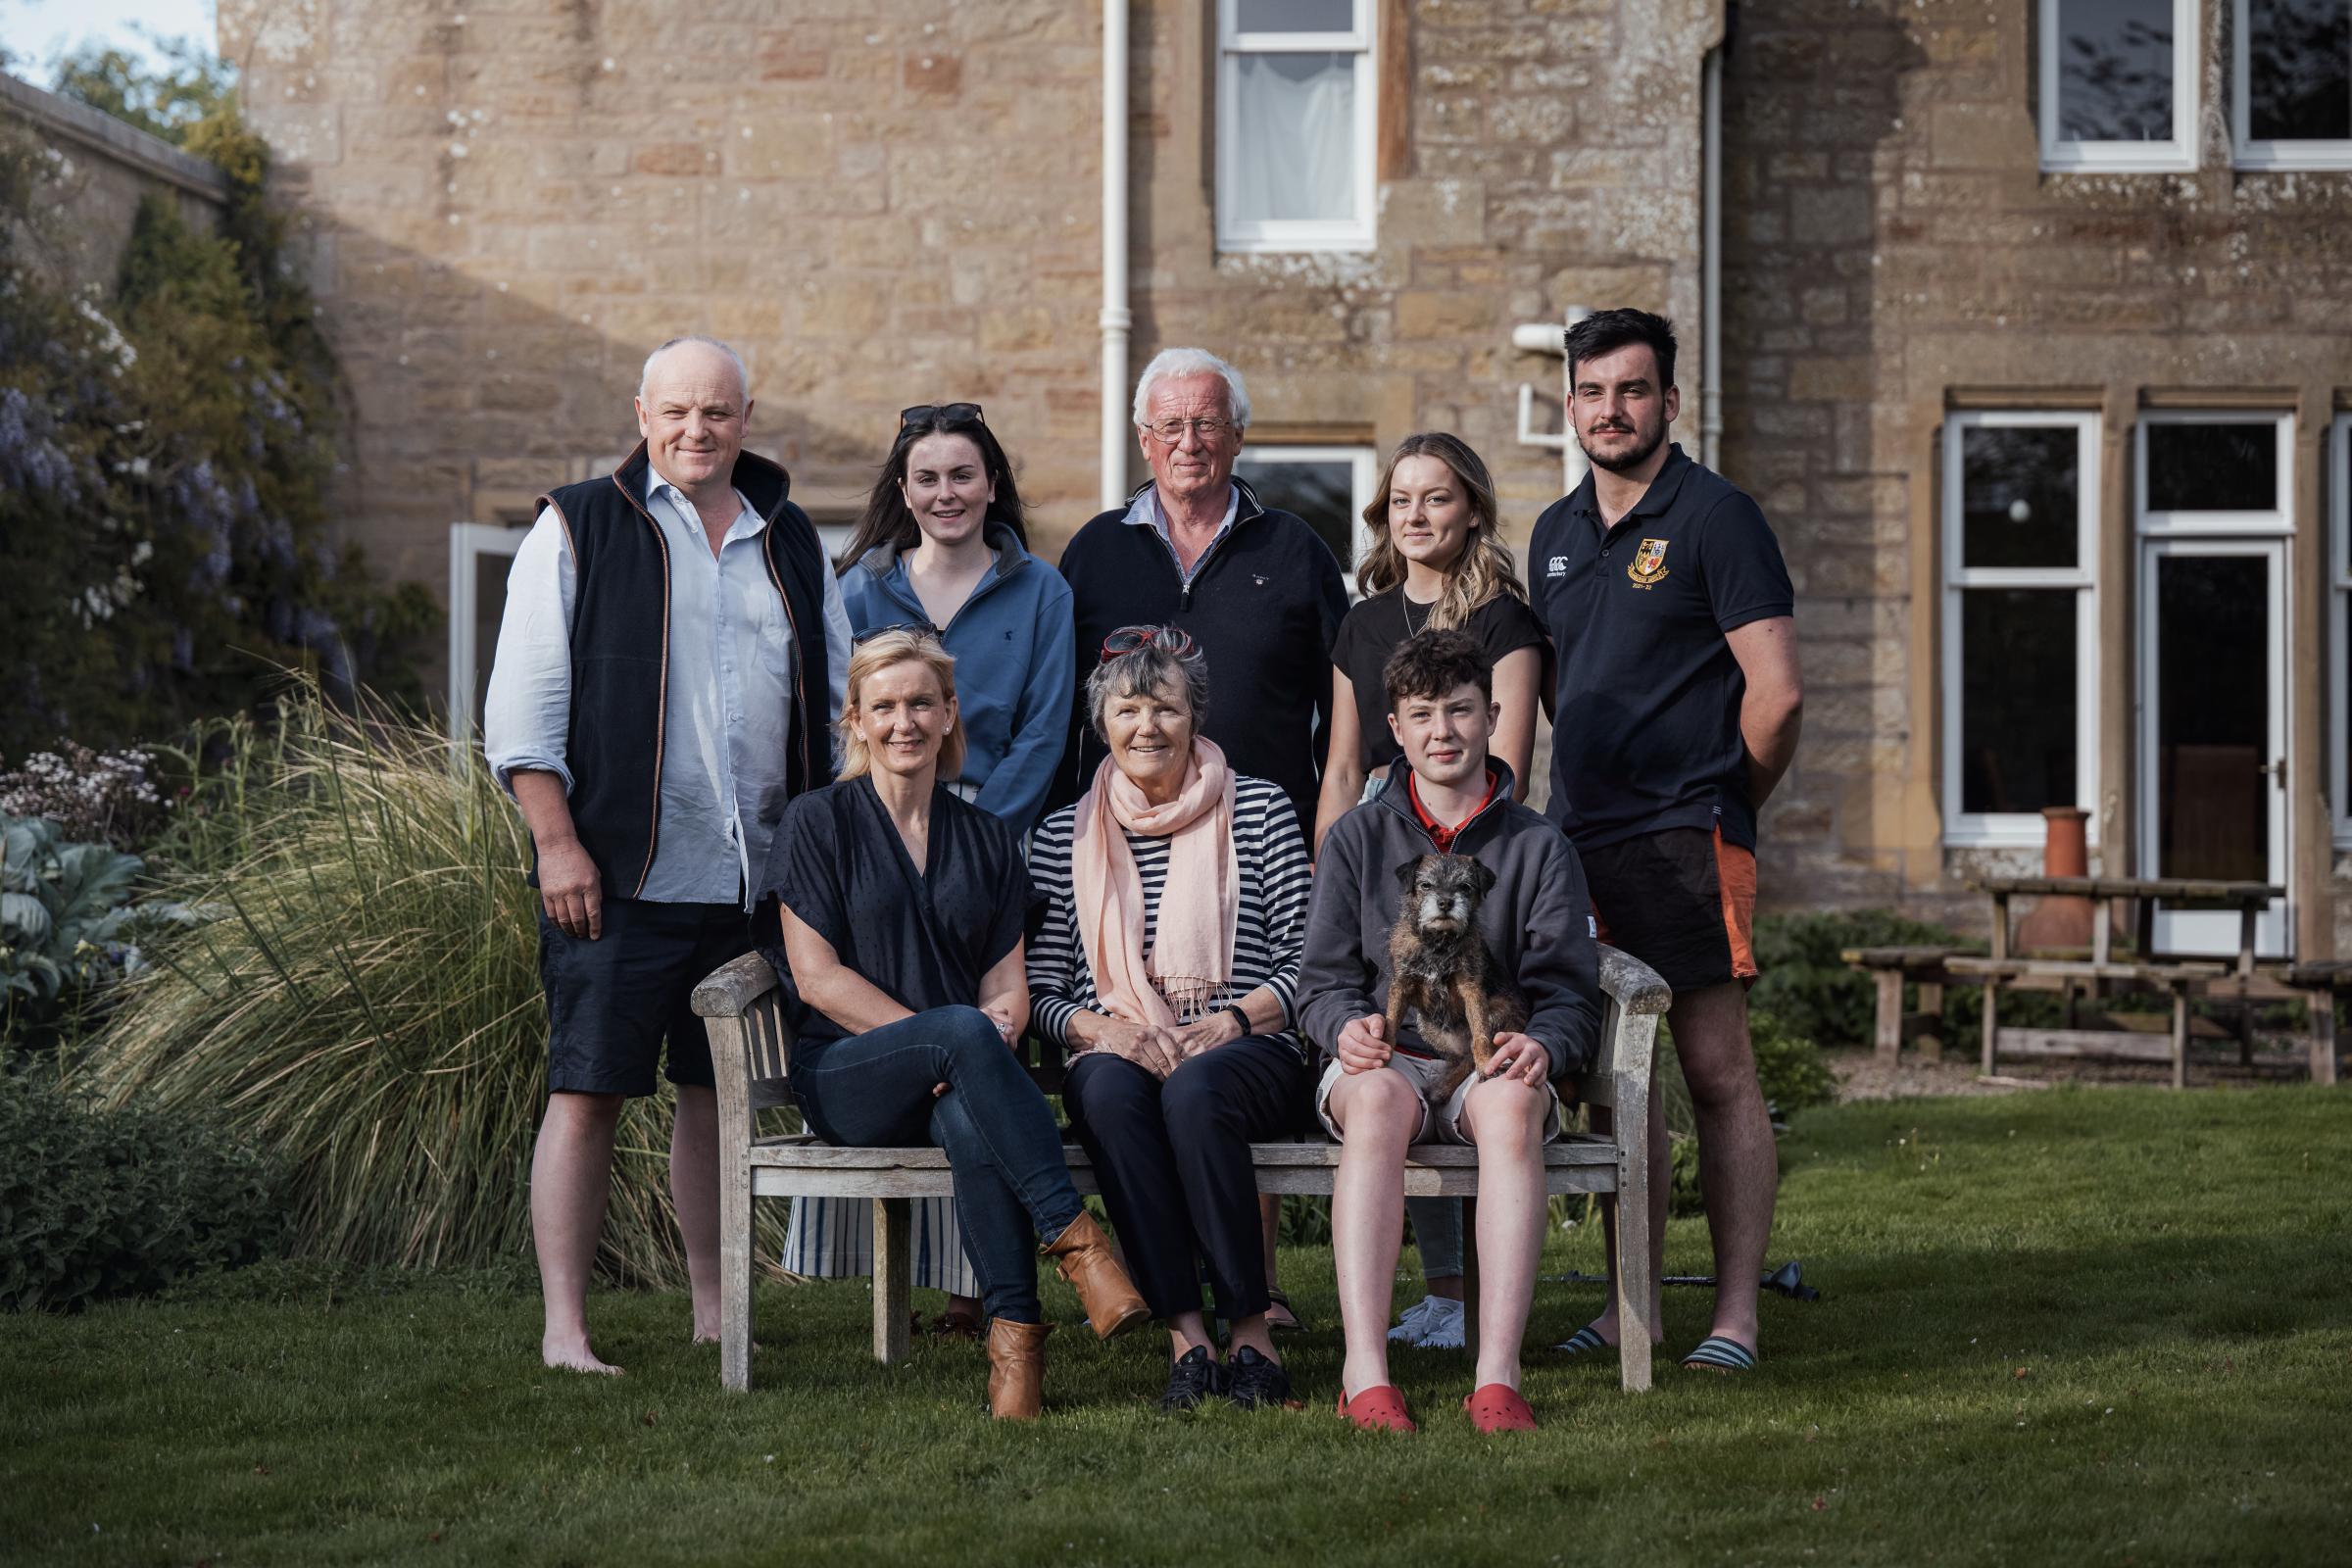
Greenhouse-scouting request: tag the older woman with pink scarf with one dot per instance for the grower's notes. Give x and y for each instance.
(1176, 911)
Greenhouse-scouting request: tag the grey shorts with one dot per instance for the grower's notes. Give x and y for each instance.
(1439, 1123)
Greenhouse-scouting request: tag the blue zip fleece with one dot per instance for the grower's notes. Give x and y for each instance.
(1014, 678)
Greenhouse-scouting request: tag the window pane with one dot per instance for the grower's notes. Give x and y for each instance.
(2115, 69)
(1323, 492)
(1294, 125)
(1296, 16)
(2213, 467)
(2019, 496)
(2017, 699)
(2213, 626)
(2299, 70)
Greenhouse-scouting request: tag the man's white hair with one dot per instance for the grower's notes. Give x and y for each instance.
(742, 378)
(1193, 362)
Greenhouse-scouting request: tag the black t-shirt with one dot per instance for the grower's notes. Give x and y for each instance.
(1647, 727)
(1381, 624)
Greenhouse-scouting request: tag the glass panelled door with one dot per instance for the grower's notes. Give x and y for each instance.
(2213, 673)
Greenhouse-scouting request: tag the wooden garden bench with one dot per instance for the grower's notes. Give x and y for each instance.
(1892, 968)
(751, 1047)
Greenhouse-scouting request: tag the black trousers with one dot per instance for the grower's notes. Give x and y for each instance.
(1173, 1158)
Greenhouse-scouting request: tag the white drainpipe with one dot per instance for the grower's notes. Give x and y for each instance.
(1710, 243)
(1118, 436)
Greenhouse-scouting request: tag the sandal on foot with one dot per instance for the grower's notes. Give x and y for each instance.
(1583, 1342)
(1500, 1407)
(1378, 1408)
(1715, 1353)
(1281, 1316)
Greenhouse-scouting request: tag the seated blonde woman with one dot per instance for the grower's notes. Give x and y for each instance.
(902, 916)
(1175, 906)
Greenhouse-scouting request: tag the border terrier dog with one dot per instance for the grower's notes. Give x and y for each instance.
(1441, 970)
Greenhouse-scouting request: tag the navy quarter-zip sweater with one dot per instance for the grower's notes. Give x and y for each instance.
(1264, 606)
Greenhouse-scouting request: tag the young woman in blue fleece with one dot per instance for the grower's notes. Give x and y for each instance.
(942, 546)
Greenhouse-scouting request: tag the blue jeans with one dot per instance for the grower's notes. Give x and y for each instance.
(1013, 1183)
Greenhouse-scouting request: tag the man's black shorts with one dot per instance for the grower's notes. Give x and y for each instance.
(1682, 900)
(610, 1001)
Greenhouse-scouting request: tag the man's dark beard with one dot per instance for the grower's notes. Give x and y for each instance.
(1632, 460)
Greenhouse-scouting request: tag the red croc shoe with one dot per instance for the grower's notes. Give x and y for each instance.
(1378, 1408)
(1498, 1407)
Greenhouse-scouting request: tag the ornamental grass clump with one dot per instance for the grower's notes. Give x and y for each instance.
(363, 1000)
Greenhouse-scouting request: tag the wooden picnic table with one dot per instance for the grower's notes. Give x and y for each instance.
(2178, 975)
(2143, 892)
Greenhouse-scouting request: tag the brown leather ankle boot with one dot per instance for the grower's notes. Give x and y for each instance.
(1016, 1368)
(1083, 1253)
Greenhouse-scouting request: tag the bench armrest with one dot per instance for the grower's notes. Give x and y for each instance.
(729, 991)
(1636, 998)
(741, 1007)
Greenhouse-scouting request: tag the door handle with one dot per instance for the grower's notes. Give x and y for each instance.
(2276, 769)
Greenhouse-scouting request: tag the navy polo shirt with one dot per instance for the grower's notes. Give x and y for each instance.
(1647, 728)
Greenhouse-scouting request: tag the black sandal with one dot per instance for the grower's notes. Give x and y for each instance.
(1280, 1316)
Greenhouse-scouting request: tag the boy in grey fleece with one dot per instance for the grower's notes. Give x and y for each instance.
(1445, 795)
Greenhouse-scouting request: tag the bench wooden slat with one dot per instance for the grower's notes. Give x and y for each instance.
(2184, 969)
(1899, 957)
(801, 1152)
(2168, 888)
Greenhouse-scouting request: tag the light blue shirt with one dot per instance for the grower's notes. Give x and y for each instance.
(1147, 513)
(729, 694)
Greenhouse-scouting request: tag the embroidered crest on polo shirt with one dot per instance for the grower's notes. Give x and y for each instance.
(1558, 567)
(1649, 563)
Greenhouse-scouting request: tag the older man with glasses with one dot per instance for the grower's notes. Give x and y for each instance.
(1256, 588)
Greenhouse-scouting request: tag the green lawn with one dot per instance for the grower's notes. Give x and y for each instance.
(2105, 1326)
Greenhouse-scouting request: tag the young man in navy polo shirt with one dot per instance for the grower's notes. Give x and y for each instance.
(1676, 705)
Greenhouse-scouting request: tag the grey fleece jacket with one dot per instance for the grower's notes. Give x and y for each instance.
(1538, 919)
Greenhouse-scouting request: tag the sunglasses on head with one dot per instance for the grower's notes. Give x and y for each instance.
(922, 411)
(912, 627)
(1127, 639)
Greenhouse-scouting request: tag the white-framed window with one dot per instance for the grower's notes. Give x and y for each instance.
(2218, 471)
(2020, 551)
(1296, 124)
(2119, 84)
(2292, 84)
(481, 555)
(1329, 486)
(2340, 621)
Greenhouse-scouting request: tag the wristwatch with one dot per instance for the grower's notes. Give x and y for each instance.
(1239, 1017)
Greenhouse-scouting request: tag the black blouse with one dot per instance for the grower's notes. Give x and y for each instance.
(922, 938)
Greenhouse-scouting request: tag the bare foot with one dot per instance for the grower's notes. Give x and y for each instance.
(574, 1355)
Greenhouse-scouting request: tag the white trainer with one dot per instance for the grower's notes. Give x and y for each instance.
(1443, 1328)
(1433, 1323)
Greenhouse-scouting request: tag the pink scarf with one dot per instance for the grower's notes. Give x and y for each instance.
(1188, 971)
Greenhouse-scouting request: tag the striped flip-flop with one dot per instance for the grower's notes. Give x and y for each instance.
(1584, 1339)
(1715, 1353)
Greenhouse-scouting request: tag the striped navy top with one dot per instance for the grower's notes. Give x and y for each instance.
(1269, 932)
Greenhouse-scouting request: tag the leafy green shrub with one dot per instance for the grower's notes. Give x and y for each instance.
(368, 1004)
(1789, 1067)
(1806, 987)
(99, 1203)
(68, 931)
